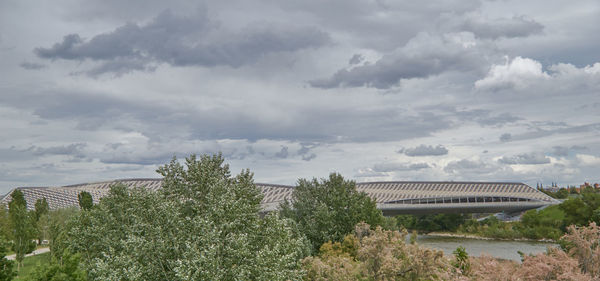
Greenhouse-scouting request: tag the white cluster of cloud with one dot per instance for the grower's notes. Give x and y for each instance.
(375, 90)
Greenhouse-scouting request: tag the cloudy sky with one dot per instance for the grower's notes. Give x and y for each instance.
(373, 89)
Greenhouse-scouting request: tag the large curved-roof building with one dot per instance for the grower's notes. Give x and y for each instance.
(399, 197)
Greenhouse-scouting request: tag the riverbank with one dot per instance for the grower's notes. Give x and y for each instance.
(473, 236)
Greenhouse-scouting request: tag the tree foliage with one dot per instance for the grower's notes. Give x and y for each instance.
(6, 266)
(581, 210)
(5, 227)
(203, 225)
(65, 269)
(41, 208)
(328, 209)
(430, 223)
(23, 226)
(546, 223)
(41, 218)
(85, 200)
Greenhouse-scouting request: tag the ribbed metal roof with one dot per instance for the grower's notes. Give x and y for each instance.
(381, 192)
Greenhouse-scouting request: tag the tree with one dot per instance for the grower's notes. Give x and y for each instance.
(41, 218)
(204, 224)
(6, 266)
(5, 228)
(329, 209)
(59, 224)
(23, 225)
(41, 208)
(85, 200)
(67, 269)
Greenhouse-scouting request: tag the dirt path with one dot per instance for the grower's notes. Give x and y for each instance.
(36, 252)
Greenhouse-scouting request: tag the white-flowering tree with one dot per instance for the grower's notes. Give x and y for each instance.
(203, 225)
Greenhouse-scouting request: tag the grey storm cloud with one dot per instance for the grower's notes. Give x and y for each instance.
(92, 111)
(182, 41)
(283, 153)
(564, 150)
(516, 26)
(32, 66)
(356, 59)
(424, 56)
(305, 149)
(534, 158)
(485, 117)
(425, 150)
(506, 137)
(560, 151)
(393, 167)
(74, 150)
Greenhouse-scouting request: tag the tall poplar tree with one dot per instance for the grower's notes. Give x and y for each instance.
(23, 226)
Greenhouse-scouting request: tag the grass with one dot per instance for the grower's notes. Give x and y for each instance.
(29, 265)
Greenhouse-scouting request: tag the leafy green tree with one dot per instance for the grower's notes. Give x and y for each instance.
(562, 193)
(23, 225)
(68, 268)
(546, 223)
(41, 208)
(58, 227)
(6, 266)
(203, 225)
(328, 209)
(41, 218)
(580, 210)
(5, 227)
(85, 200)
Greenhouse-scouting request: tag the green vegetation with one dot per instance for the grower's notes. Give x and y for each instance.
(328, 209)
(41, 219)
(204, 224)
(562, 193)
(431, 223)
(85, 200)
(67, 268)
(490, 227)
(23, 226)
(461, 260)
(6, 266)
(548, 223)
(31, 264)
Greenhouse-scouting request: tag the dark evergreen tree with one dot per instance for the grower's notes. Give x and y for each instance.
(85, 200)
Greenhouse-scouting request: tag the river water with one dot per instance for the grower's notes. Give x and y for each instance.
(476, 247)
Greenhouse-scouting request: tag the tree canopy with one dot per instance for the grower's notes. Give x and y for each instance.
(23, 226)
(203, 225)
(6, 266)
(328, 209)
(85, 200)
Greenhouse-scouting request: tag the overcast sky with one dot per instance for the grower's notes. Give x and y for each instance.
(374, 90)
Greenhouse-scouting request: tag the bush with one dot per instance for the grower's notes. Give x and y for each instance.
(327, 210)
